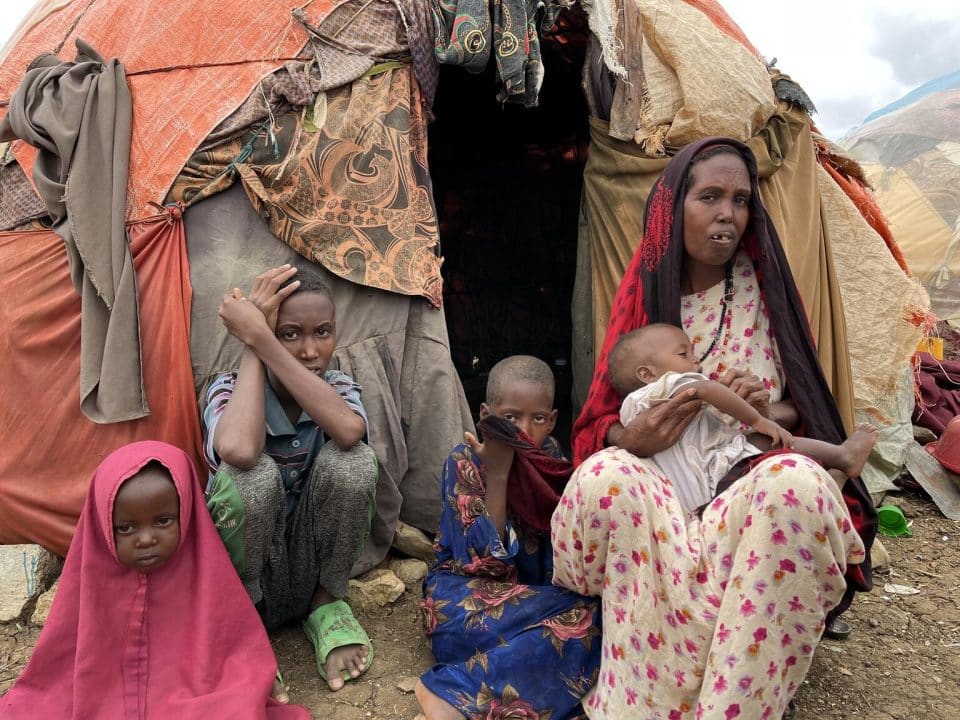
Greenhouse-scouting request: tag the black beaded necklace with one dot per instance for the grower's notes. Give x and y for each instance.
(724, 302)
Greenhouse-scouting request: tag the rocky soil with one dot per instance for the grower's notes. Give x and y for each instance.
(901, 662)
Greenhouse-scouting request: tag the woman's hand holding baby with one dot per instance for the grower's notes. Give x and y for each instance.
(659, 427)
(749, 387)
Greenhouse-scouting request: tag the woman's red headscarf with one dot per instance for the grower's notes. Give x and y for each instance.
(183, 641)
(650, 293)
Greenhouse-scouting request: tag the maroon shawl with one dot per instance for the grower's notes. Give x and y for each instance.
(536, 478)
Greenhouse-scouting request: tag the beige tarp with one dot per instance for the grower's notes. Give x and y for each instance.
(930, 245)
(679, 77)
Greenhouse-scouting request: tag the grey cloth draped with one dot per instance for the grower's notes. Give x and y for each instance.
(78, 115)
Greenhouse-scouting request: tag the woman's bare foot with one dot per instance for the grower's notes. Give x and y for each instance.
(279, 692)
(349, 658)
(856, 449)
(433, 706)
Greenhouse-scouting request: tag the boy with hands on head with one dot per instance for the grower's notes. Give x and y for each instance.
(288, 432)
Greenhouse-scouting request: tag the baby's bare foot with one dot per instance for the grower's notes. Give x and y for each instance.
(433, 706)
(349, 658)
(857, 449)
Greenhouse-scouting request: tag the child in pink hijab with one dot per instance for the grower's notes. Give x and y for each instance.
(150, 619)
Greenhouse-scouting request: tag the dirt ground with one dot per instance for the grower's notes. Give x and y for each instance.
(901, 662)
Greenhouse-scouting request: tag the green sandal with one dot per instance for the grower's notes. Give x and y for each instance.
(332, 626)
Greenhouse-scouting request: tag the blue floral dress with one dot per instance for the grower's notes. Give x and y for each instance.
(508, 643)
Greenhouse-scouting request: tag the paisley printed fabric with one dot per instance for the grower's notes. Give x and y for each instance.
(345, 183)
(508, 644)
(704, 619)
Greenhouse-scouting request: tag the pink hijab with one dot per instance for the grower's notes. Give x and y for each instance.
(181, 642)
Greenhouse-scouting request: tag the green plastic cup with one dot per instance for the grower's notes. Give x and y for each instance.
(892, 522)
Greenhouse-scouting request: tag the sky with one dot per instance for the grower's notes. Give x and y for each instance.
(851, 56)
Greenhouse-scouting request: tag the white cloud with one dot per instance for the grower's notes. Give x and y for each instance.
(853, 56)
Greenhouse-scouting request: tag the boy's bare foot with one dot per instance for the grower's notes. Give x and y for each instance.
(433, 706)
(349, 658)
(279, 692)
(856, 449)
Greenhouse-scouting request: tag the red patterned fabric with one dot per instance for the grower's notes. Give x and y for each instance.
(656, 241)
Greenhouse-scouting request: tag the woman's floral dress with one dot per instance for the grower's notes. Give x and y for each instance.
(508, 644)
(713, 617)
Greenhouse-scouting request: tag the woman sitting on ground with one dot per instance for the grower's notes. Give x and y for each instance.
(711, 617)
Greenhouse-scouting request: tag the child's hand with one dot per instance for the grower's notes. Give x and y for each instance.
(495, 454)
(267, 297)
(242, 318)
(777, 434)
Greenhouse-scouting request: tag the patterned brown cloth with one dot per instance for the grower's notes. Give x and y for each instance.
(426, 68)
(345, 44)
(350, 190)
(353, 37)
(19, 202)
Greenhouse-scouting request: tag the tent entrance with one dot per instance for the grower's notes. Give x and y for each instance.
(507, 183)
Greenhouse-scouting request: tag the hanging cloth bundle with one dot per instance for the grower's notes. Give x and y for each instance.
(79, 115)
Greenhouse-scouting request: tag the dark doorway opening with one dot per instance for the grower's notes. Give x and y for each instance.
(507, 183)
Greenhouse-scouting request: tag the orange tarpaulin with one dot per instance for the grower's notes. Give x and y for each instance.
(50, 448)
(189, 65)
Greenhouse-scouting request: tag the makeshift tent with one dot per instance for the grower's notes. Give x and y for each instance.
(910, 154)
(267, 128)
(200, 75)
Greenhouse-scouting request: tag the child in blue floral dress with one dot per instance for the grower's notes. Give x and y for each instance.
(507, 642)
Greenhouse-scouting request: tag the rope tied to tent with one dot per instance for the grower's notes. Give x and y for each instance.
(270, 138)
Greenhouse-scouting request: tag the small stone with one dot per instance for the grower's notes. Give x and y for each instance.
(874, 623)
(879, 556)
(374, 589)
(406, 684)
(409, 570)
(42, 609)
(414, 543)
